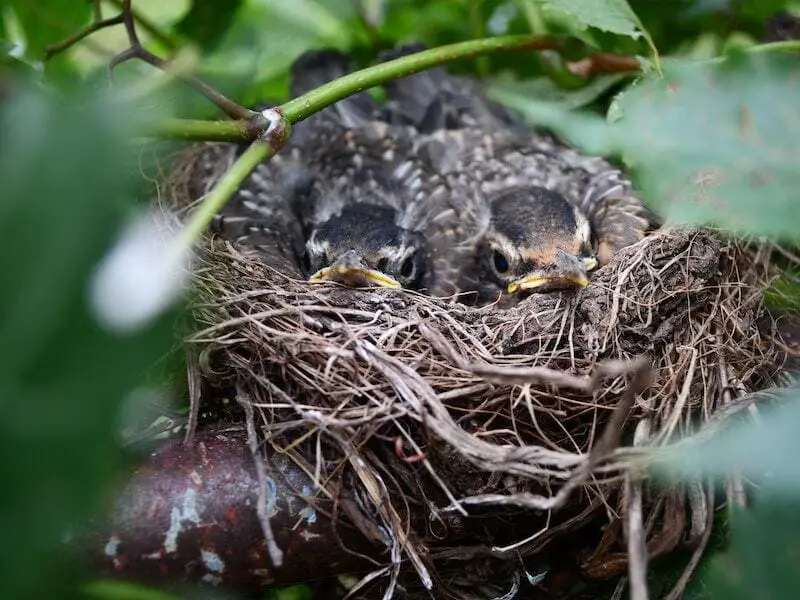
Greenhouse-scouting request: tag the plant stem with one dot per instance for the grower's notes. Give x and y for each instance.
(150, 28)
(325, 95)
(784, 45)
(478, 27)
(306, 105)
(225, 188)
(189, 130)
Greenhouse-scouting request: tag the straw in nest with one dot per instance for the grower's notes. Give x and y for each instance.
(480, 436)
(524, 420)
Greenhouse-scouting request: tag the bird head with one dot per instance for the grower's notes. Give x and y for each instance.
(536, 242)
(362, 246)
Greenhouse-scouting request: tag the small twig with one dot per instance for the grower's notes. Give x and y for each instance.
(195, 385)
(275, 553)
(98, 24)
(636, 533)
(604, 64)
(637, 546)
(136, 50)
(678, 590)
(148, 26)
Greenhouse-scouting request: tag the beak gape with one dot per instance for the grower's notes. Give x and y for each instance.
(351, 270)
(568, 272)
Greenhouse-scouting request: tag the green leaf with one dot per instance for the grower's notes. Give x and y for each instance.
(516, 94)
(615, 16)
(123, 590)
(762, 562)
(765, 450)
(710, 143)
(208, 21)
(66, 162)
(765, 545)
(46, 22)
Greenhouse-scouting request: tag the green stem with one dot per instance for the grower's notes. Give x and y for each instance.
(325, 95)
(478, 28)
(226, 187)
(784, 45)
(533, 15)
(306, 105)
(201, 130)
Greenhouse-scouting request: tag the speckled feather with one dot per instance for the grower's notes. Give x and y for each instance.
(340, 157)
(482, 150)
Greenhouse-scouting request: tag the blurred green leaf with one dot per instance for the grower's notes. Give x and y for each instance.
(297, 592)
(762, 559)
(765, 450)
(208, 21)
(516, 94)
(710, 143)
(122, 590)
(47, 22)
(762, 562)
(785, 292)
(615, 16)
(64, 163)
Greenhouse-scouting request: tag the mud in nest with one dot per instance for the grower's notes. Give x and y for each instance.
(486, 434)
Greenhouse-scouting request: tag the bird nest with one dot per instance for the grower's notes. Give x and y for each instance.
(453, 433)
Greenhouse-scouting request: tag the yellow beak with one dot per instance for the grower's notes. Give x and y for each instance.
(590, 263)
(531, 282)
(354, 276)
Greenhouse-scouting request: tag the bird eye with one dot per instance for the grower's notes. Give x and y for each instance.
(407, 268)
(383, 265)
(500, 262)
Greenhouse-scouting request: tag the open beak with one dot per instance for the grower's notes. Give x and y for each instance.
(351, 271)
(568, 272)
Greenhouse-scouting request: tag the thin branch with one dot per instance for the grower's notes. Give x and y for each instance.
(150, 27)
(315, 100)
(136, 50)
(306, 105)
(604, 64)
(97, 25)
(206, 131)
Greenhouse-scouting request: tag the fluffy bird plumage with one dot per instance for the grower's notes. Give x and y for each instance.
(440, 189)
(528, 195)
(345, 200)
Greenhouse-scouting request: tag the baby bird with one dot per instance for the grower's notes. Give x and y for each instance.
(536, 241)
(541, 214)
(344, 201)
(368, 203)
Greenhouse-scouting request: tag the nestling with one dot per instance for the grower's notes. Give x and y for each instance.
(536, 241)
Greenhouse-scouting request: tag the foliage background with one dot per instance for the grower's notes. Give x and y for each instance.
(71, 169)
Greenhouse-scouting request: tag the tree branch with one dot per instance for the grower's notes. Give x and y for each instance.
(98, 24)
(148, 26)
(312, 102)
(136, 50)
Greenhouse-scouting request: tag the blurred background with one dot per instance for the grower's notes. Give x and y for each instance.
(75, 169)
